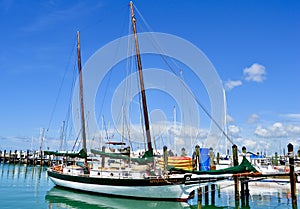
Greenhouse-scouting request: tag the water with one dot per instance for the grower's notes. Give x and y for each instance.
(25, 187)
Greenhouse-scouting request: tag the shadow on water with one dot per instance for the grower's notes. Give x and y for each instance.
(260, 198)
(60, 198)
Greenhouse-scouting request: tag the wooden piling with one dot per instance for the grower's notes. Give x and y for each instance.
(27, 157)
(213, 194)
(247, 192)
(292, 174)
(276, 159)
(242, 192)
(197, 161)
(41, 158)
(236, 180)
(15, 156)
(9, 156)
(218, 158)
(211, 161)
(4, 156)
(199, 197)
(21, 158)
(34, 158)
(206, 195)
(165, 153)
(103, 158)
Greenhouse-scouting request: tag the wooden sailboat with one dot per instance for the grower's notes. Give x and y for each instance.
(138, 178)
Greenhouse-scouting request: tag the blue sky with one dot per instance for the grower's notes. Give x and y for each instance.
(254, 46)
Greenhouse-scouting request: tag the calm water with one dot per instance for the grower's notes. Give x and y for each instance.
(28, 187)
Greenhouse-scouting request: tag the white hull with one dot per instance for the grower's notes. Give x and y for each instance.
(179, 192)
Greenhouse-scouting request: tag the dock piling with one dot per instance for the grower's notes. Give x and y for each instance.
(236, 180)
(292, 174)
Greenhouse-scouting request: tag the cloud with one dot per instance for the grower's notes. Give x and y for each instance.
(232, 84)
(229, 119)
(277, 130)
(253, 119)
(234, 130)
(291, 116)
(256, 73)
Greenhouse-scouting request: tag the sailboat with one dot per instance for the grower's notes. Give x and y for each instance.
(124, 176)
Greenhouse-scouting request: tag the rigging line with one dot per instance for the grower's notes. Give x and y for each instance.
(119, 117)
(185, 86)
(109, 74)
(143, 19)
(102, 19)
(73, 148)
(60, 87)
(71, 90)
(130, 64)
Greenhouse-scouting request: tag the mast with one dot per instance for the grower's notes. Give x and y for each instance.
(81, 93)
(144, 101)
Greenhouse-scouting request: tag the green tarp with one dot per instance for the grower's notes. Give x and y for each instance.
(244, 167)
(142, 160)
(80, 154)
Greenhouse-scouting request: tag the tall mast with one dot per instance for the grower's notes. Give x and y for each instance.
(144, 101)
(81, 93)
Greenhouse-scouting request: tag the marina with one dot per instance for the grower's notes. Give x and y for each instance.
(244, 187)
(128, 114)
(33, 189)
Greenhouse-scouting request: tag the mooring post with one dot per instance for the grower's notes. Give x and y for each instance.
(0, 155)
(276, 158)
(20, 161)
(236, 180)
(292, 174)
(247, 193)
(103, 158)
(15, 157)
(34, 158)
(196, 157)
(213, 194)
(242, 191)
(9, 157)
(206, 195)
(27, 157)
(199, 197)
(165, 153)
(4, 155)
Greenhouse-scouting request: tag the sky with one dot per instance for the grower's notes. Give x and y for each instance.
(253, 45)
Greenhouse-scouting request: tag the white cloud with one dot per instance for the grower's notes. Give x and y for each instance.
(234, 130)
(277, 130)
(229, 119)
(232, 84)
(255, 73)
(253, 118)
(291, 116)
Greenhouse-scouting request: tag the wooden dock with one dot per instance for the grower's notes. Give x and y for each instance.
(25, 157)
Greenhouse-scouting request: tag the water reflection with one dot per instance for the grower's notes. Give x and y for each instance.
(63, 198)
(31, 187)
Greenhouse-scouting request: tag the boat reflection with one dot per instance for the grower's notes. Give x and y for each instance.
(62, 198)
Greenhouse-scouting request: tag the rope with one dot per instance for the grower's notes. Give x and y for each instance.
(60, 86)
